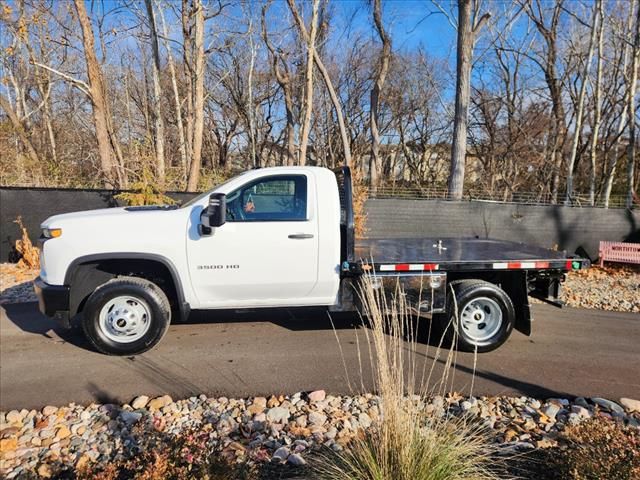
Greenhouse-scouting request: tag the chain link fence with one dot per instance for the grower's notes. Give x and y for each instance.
(524, 198)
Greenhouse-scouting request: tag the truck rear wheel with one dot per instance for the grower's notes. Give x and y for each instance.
(480, 316)
(126, 316)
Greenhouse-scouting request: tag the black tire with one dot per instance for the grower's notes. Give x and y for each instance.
(464, 293)
(146, 293)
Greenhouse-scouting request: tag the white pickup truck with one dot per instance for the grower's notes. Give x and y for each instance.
(274, 237)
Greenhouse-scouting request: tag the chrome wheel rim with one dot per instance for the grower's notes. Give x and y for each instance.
(125, 319)
(481, 319)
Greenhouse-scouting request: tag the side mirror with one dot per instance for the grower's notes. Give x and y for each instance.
(215, 215)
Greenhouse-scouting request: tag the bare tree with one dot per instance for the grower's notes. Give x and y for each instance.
(375, 163)
(196, 13)
(580, 107)
(548, 64)
(114, 176)
(308, 91)
(468, 25)
(283, 76)
(631, 97)
(157, 93)
(597, 110)
(328, 83)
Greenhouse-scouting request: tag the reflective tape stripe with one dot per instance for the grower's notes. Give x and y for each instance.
(519, 265)
(406, 267)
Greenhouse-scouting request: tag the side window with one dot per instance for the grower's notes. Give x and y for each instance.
(276, 198)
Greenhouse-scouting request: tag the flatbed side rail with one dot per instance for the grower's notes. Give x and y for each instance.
(568, 264)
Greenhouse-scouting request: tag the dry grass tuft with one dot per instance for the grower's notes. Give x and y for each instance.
(406, 443)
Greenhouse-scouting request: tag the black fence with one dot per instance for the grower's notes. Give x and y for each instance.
(566, 228)
(37, 204)
(573, 229)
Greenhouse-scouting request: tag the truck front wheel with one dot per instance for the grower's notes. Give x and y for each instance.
(126, 316)
(480, 316)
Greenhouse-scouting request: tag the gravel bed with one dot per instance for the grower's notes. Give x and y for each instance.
(614, 288)
(283, 429)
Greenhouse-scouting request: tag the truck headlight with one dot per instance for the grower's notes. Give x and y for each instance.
(51, 232)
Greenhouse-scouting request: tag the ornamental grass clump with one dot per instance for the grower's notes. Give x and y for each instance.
(406, 442)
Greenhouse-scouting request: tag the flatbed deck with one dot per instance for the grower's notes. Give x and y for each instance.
(415, 254)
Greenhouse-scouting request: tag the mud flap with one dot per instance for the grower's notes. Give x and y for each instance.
(517, 291)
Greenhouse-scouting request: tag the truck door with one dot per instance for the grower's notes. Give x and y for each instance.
(267, 251)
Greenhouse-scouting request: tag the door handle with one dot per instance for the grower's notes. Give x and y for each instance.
(300, 236)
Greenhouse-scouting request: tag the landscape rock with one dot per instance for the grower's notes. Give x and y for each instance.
(551, 410)
(49, 410)
(45, 471)
(608, 404)
(8, 444)
(62, 432)
(296, 460)
(278, 414)
(317, 396)
(140, 402)
(316, 418)
(14, 416)
(630, 404)
(130, 417)
(160, 402)
(281, 454)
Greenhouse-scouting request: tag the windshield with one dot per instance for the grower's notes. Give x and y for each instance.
(197, 198)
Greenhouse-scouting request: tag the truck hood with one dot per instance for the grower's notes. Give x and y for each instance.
(91, 216)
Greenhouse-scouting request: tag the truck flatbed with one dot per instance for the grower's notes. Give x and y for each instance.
(451, 254)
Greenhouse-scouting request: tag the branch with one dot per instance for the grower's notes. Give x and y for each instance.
(481, 22)
(82, 86)
(446, 14)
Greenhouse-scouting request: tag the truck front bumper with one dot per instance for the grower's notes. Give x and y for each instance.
(53, 301)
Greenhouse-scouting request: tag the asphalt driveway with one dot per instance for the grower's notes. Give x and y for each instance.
(572, 353)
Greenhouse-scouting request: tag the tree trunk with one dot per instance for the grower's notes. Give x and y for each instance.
(611, 165)
(290, 131)
(284, 81)
(463, 88)
(580, 108)
(597, 115)
(157, 94)
(632, 87)
(375, 162)
(176, 98)
(113, 175)
(187, 58)
(198, 101)
(308, 100)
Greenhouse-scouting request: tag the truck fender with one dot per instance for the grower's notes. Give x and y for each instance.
(83, 281)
